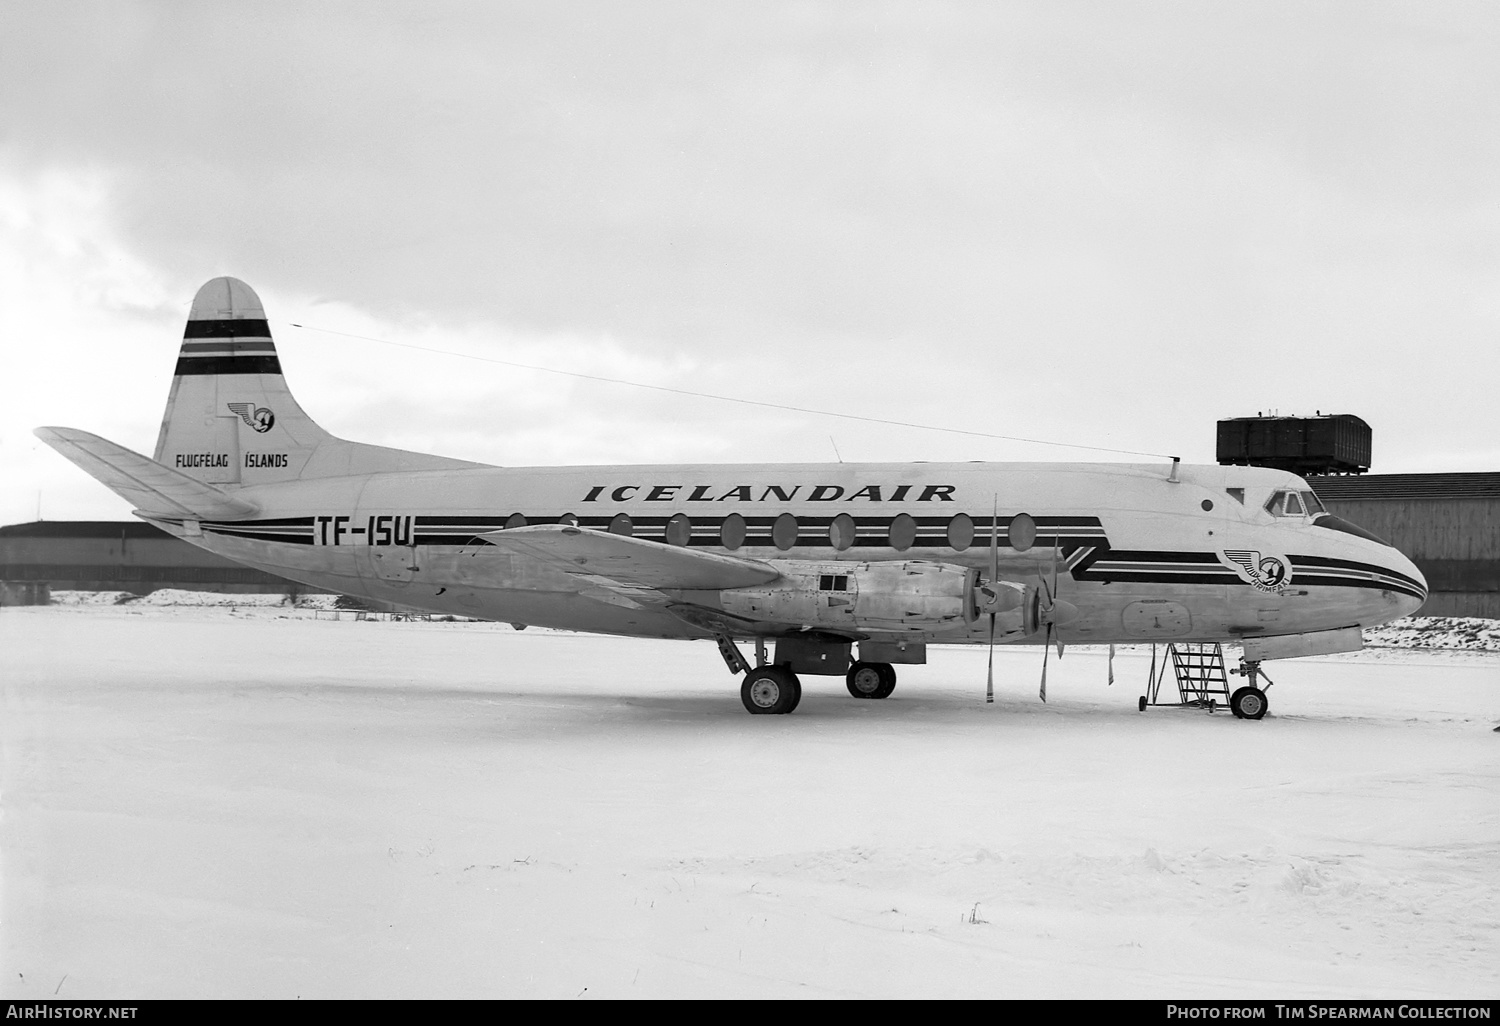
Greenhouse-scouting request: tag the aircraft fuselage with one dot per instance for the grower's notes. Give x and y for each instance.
(1141, 551)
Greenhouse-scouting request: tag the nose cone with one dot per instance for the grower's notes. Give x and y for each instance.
(1408, 599)
(1376, 563)
(1403, 588)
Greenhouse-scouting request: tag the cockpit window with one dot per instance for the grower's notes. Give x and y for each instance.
(1313, 503)
(1289, 504)
(1237, 494)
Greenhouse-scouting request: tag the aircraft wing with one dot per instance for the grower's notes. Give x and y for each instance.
(156, 489)
(631, 564)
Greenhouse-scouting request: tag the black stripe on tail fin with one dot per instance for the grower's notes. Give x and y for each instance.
(227, 333)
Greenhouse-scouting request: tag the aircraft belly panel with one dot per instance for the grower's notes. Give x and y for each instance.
(493, 587)
(288, 560)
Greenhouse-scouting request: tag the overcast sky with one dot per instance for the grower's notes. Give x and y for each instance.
(1110, 223)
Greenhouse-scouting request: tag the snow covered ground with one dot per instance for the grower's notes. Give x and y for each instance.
(267, 802)
(182, 597)
(1470, 632)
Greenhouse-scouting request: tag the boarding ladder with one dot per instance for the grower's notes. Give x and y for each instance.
(1197, 668)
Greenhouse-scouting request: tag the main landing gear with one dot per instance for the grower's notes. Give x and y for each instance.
(871, 680)
(766, 689)
(770, 689)
(774, 689)
(1250, 702)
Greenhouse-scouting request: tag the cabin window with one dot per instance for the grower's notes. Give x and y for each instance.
(784, 532)
(903, 532)
(833, 582)
(1207, 504)
(621, 525)
(841, 532)
(679, 529)
(515, 520)
(732, 531)
(961, 531)
(1022, 532)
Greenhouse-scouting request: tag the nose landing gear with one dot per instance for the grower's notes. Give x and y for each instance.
(1250, 702)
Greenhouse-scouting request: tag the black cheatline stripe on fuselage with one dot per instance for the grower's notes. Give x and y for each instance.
(1088, 561)
(1077, 525)
(1158, 567)
(232, 327)
(1321, 564)
(872, 532)
(264, 522)
(813, 532)
(290, 539)
(189, 365)
(292, 530)
(1349, 581)
(229, 347)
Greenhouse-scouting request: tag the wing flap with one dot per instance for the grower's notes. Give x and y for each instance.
(154, 488)
(631, 561)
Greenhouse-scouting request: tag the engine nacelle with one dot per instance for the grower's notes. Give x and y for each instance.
(913, 595)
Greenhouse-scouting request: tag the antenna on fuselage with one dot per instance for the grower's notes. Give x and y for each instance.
(1172, 477)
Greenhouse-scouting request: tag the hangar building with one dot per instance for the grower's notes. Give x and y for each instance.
(116, 555)
(1448, 524)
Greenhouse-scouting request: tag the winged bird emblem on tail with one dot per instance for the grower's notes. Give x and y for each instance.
(258, 417)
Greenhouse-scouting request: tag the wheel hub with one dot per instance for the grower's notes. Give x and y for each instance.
(765, 693)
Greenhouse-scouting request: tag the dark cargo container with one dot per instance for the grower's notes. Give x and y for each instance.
(1332, 444)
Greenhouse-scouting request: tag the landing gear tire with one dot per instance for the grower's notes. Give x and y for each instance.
(770, 690)
(1141, 705)
(1249, 703)
(871, 680)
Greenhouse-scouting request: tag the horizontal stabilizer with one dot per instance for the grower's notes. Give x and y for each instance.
(632, 561)
(154, 489)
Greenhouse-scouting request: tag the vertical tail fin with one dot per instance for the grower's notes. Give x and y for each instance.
(230, 418)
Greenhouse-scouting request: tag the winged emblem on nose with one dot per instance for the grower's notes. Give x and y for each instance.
(257, 417)
(1268, 573)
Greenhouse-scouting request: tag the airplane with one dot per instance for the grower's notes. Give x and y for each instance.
(813, 558)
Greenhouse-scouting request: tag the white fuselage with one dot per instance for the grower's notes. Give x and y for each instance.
(1142, 551)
